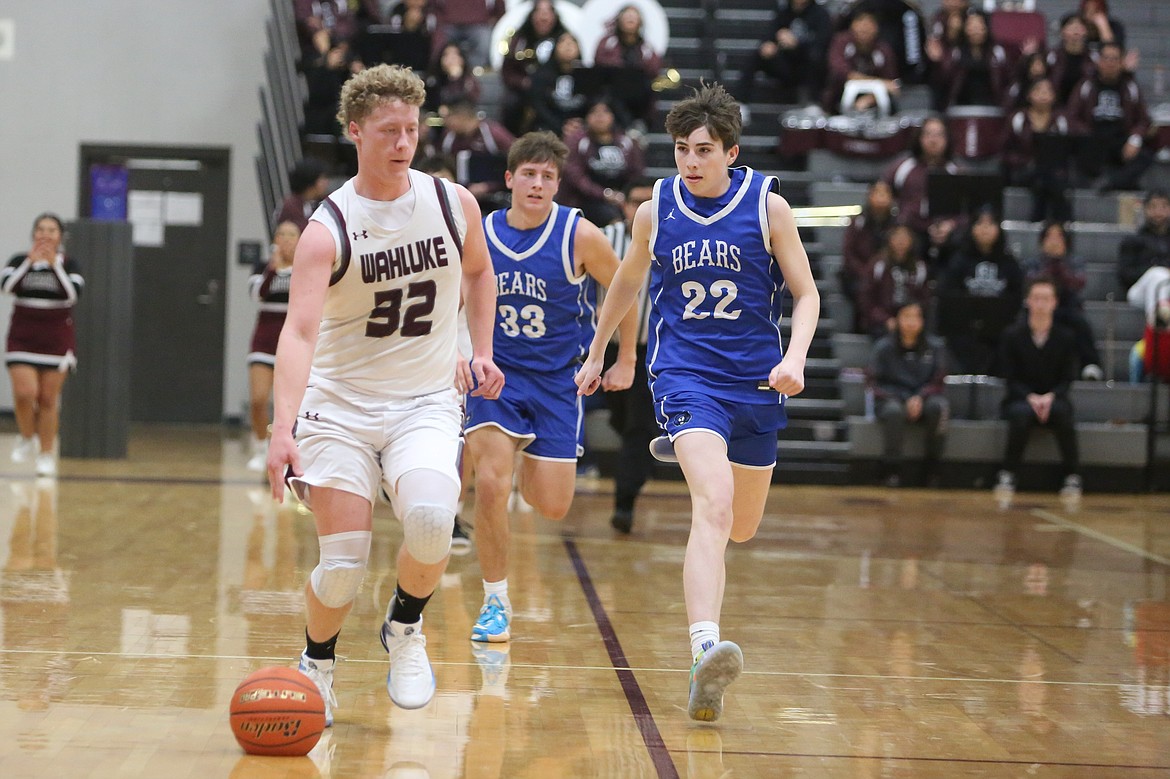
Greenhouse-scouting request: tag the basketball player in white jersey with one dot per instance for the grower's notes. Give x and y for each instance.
(365, 399)
(722, 248)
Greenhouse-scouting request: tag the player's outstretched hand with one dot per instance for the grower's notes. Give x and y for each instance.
(489, 380)
(787, 378)
(282, 453)
(588, 378)
(618, 377)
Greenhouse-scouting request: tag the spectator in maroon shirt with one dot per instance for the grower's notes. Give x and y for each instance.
(603, 161)
(530, 47)
(625, 47)
(931, 151)
(1110, 106)
(946, 32)
(466, 131)
(1037, 153)
(858, 54)
(1031, 68)
(897, 275)
(1070, 61)
(863, 238)
(325, 24)
(450, 80)
(978, 72)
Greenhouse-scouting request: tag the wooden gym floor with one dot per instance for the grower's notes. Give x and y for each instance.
(886, 634)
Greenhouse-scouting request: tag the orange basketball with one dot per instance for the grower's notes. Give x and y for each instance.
(277, 711)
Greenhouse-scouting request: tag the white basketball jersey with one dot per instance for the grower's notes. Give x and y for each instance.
(390, 318)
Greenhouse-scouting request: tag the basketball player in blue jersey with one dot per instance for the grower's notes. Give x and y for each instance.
(543, 255)
(365, 398)
(721, 247)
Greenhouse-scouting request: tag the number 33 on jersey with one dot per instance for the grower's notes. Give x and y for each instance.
(545, 310)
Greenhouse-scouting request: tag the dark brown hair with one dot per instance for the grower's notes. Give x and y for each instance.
(538, 147)
(712, 107)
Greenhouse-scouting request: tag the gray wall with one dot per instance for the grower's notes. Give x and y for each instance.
(131, 71)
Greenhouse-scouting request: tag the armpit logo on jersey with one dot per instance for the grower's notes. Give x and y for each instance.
(681, 418)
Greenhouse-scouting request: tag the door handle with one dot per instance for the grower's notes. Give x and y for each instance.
(209, 297)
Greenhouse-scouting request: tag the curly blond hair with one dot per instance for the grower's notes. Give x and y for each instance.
(376, 86)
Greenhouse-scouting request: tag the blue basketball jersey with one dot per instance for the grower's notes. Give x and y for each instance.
(715, 291)
(544, 309)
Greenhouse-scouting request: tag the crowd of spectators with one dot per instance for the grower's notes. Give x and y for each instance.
(601, 110)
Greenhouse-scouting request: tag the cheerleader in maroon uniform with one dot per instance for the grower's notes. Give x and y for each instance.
(268, 287)
(46, 284)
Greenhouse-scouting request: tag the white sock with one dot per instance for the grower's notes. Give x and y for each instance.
(704, 635)
(500, 590)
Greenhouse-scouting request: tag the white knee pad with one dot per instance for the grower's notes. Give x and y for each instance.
(339, 574)
(425, 502)
(427, 530)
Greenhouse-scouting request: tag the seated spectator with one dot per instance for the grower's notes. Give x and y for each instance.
(416, 28)
(1070, 62)
(1037, 153)
(905, 376)
(858, 54)
(1031, 68)
(324, 77)
(450, 80)
(326, 24)
(529, 47)
(625, 51)
(469, 23)
(792, 54)
(901, 27)
(1143, 267)
(1039, 363)
(602, 162)
(863, 239)
(1110, 107)
(558, 96)
(978, 72)
(930, 151)
(467, 132)
(1101, 27)
(896, 275)
(307, 185)
(1067, 272)
(979, 294)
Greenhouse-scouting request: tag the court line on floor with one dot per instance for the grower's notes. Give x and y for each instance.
(961, 760)
(1097, 535)
(546, 667)
(651, 736)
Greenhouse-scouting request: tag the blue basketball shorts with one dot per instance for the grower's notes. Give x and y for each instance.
(542, 409)
(748, 429)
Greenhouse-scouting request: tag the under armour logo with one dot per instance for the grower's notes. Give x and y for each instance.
(670, 215)
(312, 415)
(363, 234)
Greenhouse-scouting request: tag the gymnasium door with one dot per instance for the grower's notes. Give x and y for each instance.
(177, 202)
